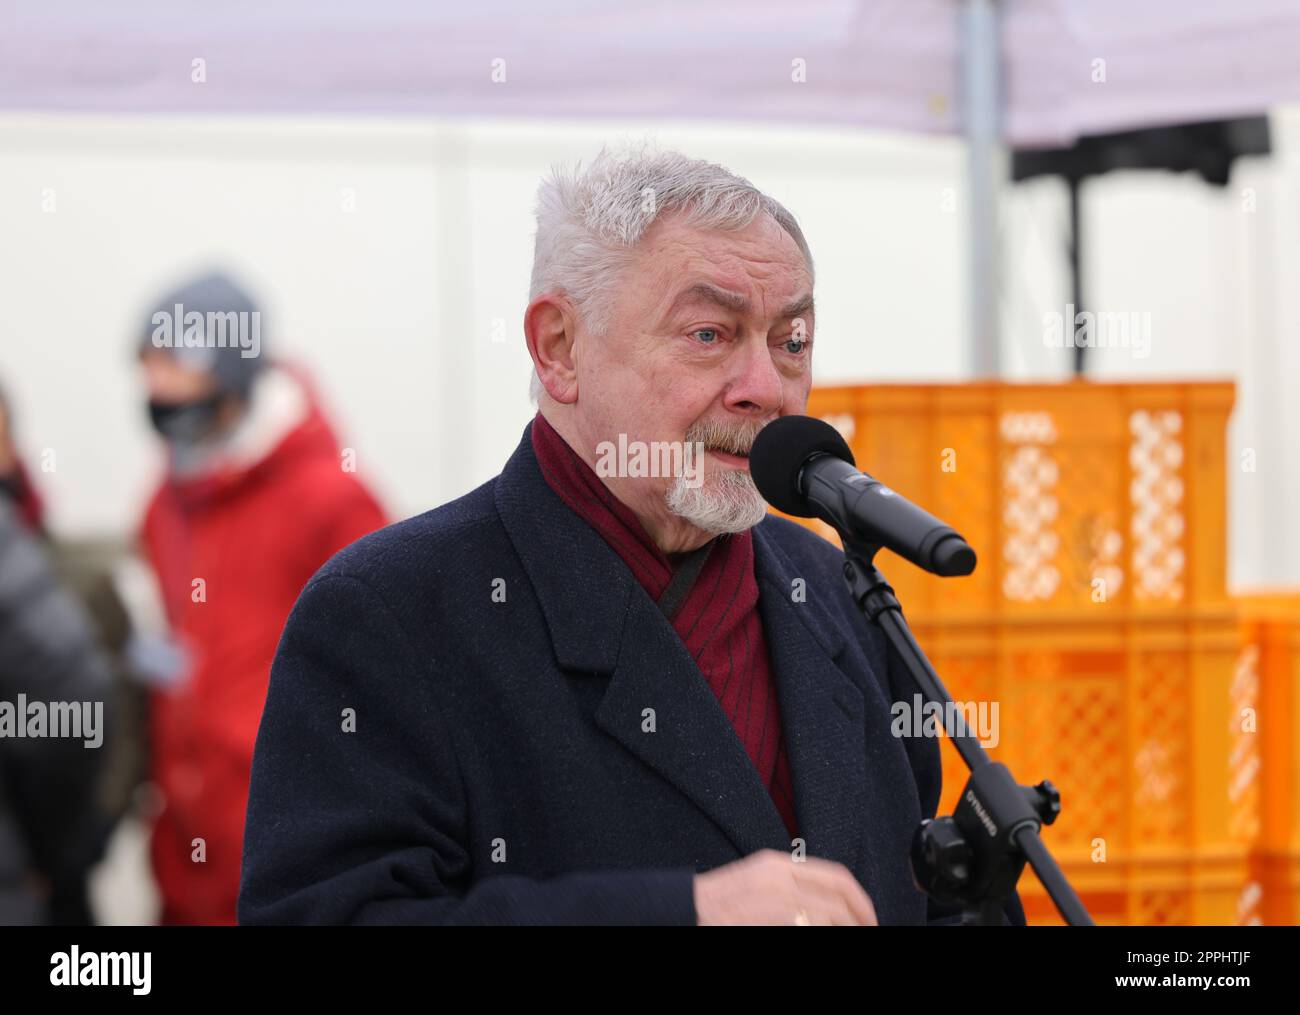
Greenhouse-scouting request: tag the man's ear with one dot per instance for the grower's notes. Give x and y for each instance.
(550, 326)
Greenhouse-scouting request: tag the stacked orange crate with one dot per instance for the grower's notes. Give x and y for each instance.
(1097, 622)
(1269, 668)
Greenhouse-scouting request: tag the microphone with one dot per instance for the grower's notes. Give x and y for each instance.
(802, 466)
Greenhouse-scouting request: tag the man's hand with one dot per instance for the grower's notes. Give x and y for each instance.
(770, 887)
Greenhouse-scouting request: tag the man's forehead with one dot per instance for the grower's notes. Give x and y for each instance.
(727, 268)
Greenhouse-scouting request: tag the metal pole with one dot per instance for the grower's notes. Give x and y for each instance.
(981, 48)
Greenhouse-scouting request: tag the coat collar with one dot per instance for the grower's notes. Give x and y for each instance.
(602, 622)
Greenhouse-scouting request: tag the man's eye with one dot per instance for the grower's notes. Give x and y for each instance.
(711, 335)
(795, 345)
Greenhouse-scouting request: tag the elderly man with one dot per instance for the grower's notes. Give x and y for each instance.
(590, 691)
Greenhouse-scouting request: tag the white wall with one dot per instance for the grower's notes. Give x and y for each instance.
(408, 308)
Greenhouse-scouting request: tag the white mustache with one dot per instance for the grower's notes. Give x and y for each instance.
(736, 440)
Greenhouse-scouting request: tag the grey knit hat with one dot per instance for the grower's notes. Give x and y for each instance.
(210, 324)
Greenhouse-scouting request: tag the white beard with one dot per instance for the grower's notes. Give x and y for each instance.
(729, 502)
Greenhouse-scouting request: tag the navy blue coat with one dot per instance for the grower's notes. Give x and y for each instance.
(430, 754)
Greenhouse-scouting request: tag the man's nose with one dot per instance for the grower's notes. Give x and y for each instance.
(756, 385)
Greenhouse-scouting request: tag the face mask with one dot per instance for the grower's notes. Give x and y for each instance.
(184, 422)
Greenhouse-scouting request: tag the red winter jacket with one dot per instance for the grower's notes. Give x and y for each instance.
(254, 534)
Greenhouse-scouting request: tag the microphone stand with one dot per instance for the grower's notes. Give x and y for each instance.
(975, 857)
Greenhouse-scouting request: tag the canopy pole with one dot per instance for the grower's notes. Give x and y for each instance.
(981, 49)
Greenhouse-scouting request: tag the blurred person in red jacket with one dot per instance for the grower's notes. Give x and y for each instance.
(257, 496)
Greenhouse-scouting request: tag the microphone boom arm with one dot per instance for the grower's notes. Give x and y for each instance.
(975, 857)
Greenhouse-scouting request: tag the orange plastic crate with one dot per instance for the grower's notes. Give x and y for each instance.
(1069, 492)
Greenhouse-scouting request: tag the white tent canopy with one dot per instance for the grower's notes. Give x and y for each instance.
(870, 63)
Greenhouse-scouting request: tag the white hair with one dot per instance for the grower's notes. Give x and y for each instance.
(588, 222)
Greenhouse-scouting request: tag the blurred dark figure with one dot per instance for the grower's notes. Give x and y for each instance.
(257, 496)
(52, 828)
(67, 584)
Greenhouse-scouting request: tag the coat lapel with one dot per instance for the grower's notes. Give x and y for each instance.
(694, 746)
(822, 710)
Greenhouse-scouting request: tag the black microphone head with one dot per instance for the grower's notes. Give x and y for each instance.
(952, 558)
(782, 449)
